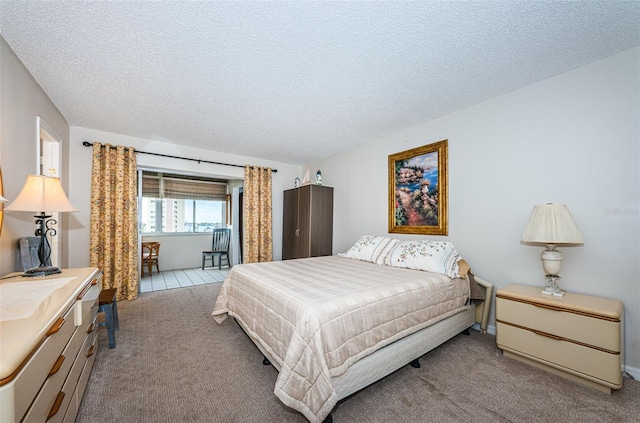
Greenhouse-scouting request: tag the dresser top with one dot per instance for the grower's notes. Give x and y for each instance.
(30, 306)
(572, 302)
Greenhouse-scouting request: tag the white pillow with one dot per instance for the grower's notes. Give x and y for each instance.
(371, 248)
(432, 256)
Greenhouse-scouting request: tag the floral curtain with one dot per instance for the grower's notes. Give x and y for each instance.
(258, 244)
(114, 218)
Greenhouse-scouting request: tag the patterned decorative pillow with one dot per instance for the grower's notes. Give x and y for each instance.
(372, 248)
(432, 256)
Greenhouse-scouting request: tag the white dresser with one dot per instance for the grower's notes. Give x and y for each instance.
(48, 341)
(577, 336)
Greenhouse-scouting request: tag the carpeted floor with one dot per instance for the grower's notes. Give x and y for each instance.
(173, 363)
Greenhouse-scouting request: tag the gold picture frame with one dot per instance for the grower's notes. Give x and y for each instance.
(418, 190)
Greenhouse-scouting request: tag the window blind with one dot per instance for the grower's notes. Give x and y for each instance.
(166, 185)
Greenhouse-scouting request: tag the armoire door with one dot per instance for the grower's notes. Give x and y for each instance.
(290, 224)
(303, 248)
(320, 217)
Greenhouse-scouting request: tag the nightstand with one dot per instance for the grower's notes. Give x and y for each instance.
(576, 336)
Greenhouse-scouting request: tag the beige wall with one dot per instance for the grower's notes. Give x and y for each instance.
(573, 139)
(22, 100)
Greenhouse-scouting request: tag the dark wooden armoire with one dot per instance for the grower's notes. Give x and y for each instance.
(307, 228)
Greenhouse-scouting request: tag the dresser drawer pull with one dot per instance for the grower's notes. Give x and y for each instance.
(90, 352)
(91, 328)
(56, 405)
(84, 292)
(56, 366)
(548, 307)
(548, 335)
(56, 326)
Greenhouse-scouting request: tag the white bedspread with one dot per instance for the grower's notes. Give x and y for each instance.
(315, 317)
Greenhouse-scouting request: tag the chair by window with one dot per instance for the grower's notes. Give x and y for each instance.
(150, 251)
(219, 248)
(29, 252)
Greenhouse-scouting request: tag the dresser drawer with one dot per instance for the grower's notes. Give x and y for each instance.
(589, 330)
(89, 301)
(71, 382)
(44, 402)
(33, 375)
(557, 353)
(72, 411)
(82, 383)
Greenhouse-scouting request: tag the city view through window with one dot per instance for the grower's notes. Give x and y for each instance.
(165, 215)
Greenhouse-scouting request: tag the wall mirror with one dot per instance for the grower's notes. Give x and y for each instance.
(49, 164)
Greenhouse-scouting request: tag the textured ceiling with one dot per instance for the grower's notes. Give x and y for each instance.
(297, 81)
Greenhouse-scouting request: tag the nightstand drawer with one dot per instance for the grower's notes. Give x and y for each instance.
(590, 362)
(589, 330)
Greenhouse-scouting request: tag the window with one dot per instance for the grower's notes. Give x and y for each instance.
(181, 204)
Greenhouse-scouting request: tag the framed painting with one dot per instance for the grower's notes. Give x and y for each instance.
(418, 190)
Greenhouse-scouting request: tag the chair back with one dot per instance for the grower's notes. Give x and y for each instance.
(29, 252)
(221, 239)
(150, 250)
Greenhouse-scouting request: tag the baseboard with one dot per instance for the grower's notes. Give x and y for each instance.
(490, 329)
(634, 372)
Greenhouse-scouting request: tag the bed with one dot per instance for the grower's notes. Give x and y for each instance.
(333, 325)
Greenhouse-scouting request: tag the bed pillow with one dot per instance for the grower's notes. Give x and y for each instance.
(371, 248)
(431, 256)
(463, 268)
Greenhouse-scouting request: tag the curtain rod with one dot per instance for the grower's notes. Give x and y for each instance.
(88, 144)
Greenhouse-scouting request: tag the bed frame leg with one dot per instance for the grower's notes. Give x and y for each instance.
(415, 363)
(328, 419)
(466, 332)
(266, 361)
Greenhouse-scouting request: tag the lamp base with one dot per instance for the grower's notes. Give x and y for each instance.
(41, 271)
(552, 286)
(558, 293)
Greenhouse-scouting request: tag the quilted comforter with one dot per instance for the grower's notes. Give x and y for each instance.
(315, 317)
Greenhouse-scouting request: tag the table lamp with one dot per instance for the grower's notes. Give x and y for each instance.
(42, 194)
(551, 224)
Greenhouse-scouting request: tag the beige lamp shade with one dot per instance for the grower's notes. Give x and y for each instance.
(41, 194)
(552, 224)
